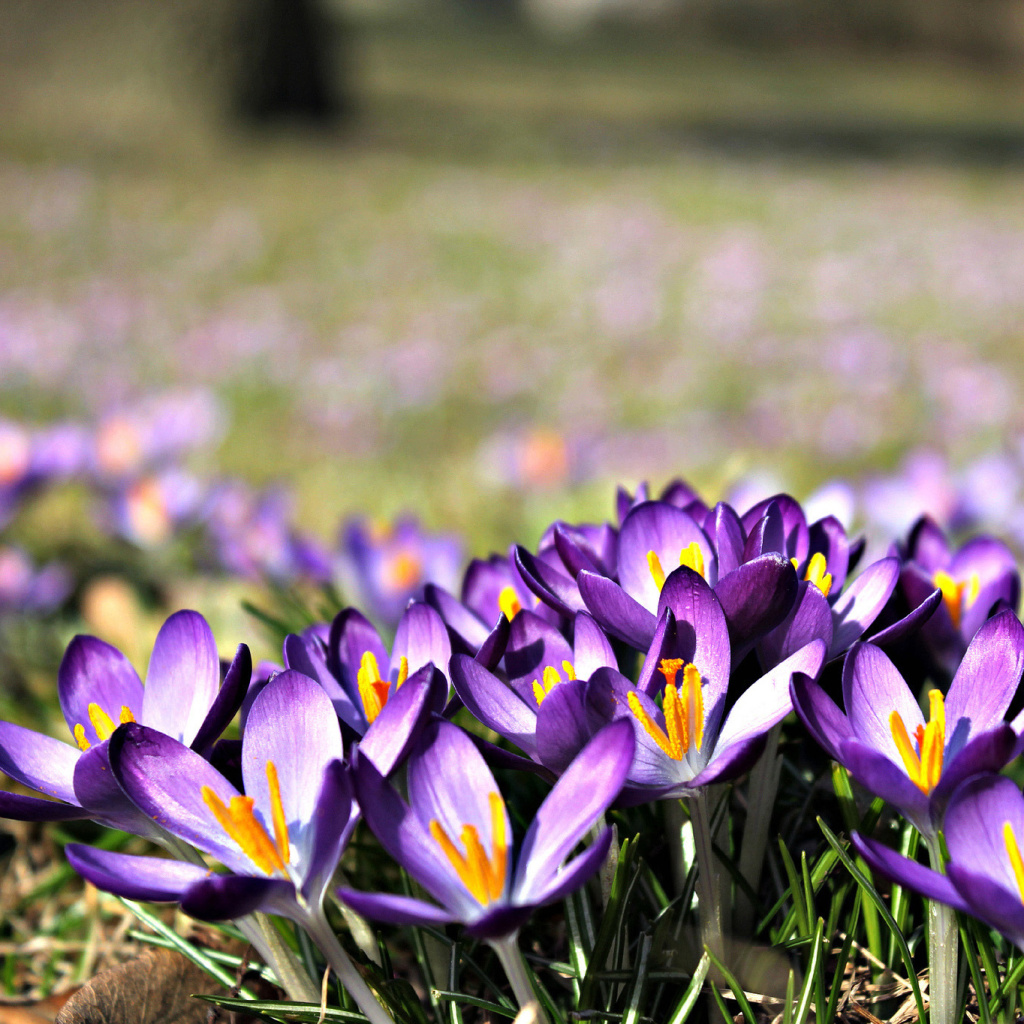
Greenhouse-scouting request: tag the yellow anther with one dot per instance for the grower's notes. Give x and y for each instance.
(403, 671)
(126, 714)
(693, 698)
(373, 691)
(1016, 861)
(957, 597)
(669, 668)
(654, 730)
(817, 575)
(692, 557)
(654, 564)
(101, 722)
(683, 707)
(551, 679)
(482, 875)
(923, 763)
(509, 603)
(241, 825)
(277, 814)
(569, 669)
(83, 743)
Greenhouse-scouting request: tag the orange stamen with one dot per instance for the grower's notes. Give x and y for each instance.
(373, 691)
(239, 822)
(957, 597)
(923, 764)
(277, 813)
(482, 875)
(509, 603)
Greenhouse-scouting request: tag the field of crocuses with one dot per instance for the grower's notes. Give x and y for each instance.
(352, 643)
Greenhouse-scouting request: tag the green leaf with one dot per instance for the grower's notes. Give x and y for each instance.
(636, 989)
(813, 973)
(287, 1011)
(685, 1005)
(735, 987)
(484, 1004)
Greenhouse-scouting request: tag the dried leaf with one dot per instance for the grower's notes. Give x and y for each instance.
(153, 988)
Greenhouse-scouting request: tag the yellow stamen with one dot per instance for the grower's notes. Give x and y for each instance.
(654, 564)
(551, 680)
(241, 825)
(692, 557)
(817, 575)
(403, 671)
(373, 691)
(101, 722)
(923, 764)
(693, 699)
(1016, 861)
(569, 669)
(83, 743)
(483, 876)
(402, 571)
(509, 603)
(669, 668)
(277, 813)
(654, 730)
(683, 707)
(957, 597)
(126, 714)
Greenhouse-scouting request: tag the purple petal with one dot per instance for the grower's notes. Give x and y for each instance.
(795, 535)
(226, 897)
(494, 703)
(908, 873)
(987, 751)
(573, 553)
(228, 701)
(910, 623)
(482, 586)
(570, 877)
(554, 588)
(859, 606)
(1003, 591)
(396, 728)
(616, 611)
(755, 599)
(533, 645)
(331, 825)
(562, 726)
(33, 808)
(580, 796)
(422, 639)
(872, 690)
(876, 773)
(828, 537)
(764, 530)
(727, 535)
(768, 701)
(183, 677)
(665, 530)
(666, 644)
(93, 672)
(991, 559)
(974, 827)
(465, 623)
(307, 654)
(927, 545)
(152, 879)
(591, 649)
(810, 619)
(97, 790)
(352, 635)
(379, 906)
(492, 650)
(730, 762)
(987, 678)
(993, 903)
(39, 762)
(823, 720)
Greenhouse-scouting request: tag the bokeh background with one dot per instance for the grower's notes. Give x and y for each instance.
(483, 259)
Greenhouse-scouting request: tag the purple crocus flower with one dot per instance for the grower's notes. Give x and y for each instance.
(542, 708)
(889, 747)
(984, 832)
(25, 588)
(98, 689)
(972, 579)
(455, 839)
(387, 565)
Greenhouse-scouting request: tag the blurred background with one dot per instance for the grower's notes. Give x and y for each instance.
(482, 259)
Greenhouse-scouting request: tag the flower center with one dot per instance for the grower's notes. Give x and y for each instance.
(102, 724)
(691, 556)
(1016, 861)
(240, 823)
(509, 603)
(683, 707)
(957, 596)
(482, 875)
(923, 762)
(815, 572)
(374, 691)
(551, 679)
(148, 515)
(401, 571)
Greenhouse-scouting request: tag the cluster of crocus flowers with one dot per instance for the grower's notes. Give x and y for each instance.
(653, 659)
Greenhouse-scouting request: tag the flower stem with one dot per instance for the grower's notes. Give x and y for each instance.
(321, 933)
(708, 889)
(943, 948)
(511, 959)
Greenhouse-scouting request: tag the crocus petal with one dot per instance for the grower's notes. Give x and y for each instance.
(331, 824)
(727, 534)
(616, 611)
(39, 762)
(483, 583)
(34, 808)
(352, 635)
(828, 538)
(580, 796)
(859, 606)
(226, 897)
(228, 700)
(1004, 591)
(987, 751)
(292, 725)
(755, 599)
(500, 921)
(495, 643)
(574, 554)
(570, 877)
(556, 589)
(730, 762)
(393, 732)
(876, 773)
(989, 558)
(153, 879)
(308, 655)
(562, 728)
(97, 790)
(768, 701)
(997, 905)
(974, 827)
(494, 703)
(666, 644)
(764, 531)
(421, 638)
(93, 672)
(183, 677)
(810, 619)
(533, 645)
(378, 906)
(590, 647)
(795, 535)
(823, 720)
(471, 629)
(927, 545)
(903, 871)
(988, 676)
(872, 690)
(665, 530)
(910, 623)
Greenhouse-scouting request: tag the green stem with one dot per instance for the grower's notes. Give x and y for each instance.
(943, 947)
(511, 959)
(708, 889)
(321, 933)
